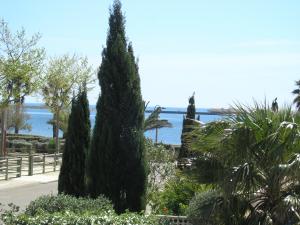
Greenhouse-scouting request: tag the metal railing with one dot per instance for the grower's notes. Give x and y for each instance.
(22, 164)
(174, 220)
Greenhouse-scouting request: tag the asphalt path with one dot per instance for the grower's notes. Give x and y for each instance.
(23, 195)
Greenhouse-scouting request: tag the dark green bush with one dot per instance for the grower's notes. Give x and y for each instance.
(51, 146)
(205, 208)
(61, 203)
(175, 197)
(41, 147)
(20, 145)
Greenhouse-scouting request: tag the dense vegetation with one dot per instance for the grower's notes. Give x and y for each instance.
(252, 161)
(176, 195)
(61, 209)
(245, 169)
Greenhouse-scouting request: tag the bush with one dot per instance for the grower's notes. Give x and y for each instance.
(175, 197)
(51, 146)
(72, 218)
(41, 147)
(63, 209)
(20, 145)
(161, 162)
(61, 203)
(26, 137)
(204, 208)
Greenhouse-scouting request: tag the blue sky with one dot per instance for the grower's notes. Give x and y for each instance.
(225, 51)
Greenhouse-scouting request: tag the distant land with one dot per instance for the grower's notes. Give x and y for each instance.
(214, 111)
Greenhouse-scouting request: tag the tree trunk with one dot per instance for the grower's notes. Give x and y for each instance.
(57, 131)
(3, 132)
(54, 126)
(17, 119)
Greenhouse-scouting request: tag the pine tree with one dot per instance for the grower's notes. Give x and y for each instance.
(116, 166)
(71, 178)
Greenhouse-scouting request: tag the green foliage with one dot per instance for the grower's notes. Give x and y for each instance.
(153, 121)
(21, 63)
(176, 195)
(63, 121)
(212, 208)
(297, 93)
(20, 144)
(161, 167)
(253, 159)
(17, 118)
(63, 78)
(191, 109)
(116, 166)
(72, 173)
(70, 218)
(189, 123)
(204, 208)
(63, 209)
(51, 144)
(66, 203)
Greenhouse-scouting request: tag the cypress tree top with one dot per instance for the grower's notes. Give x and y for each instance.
(191, 110)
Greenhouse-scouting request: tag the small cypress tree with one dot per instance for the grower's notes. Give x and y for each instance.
(71, 178)
(191, 109)
(187, 126)
(116, 166)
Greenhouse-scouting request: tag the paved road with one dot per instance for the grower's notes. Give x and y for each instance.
(22, 196)
(22, 191)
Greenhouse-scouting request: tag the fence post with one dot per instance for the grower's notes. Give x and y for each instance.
(44, 163)
(19, 168)
(6, 174)
(30, 164)
(54, 164)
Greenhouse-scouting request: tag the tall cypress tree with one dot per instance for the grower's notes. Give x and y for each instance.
(116, 166)
(71, 178)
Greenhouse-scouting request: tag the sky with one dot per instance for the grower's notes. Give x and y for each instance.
(224, 51)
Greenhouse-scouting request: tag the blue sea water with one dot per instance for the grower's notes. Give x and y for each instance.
(39, 117)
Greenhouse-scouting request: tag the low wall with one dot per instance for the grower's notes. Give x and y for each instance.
(175, 220)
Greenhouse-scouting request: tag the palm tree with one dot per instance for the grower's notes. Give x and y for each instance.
(297, 93)
(154, 122)
(253, 162)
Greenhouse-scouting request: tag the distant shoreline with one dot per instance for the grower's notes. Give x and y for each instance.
(214, 111)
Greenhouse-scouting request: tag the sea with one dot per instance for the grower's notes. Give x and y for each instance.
(40, 115)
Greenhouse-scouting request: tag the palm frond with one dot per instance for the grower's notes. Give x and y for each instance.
(154, 122)
(296, 92)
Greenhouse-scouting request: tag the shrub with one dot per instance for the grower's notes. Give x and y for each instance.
(20, 145)
(205, 203)
(175, 197)
(72, 218)
(63, 209)
(41, 147)
(161, 167)
(61, 203)
(51, 146)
